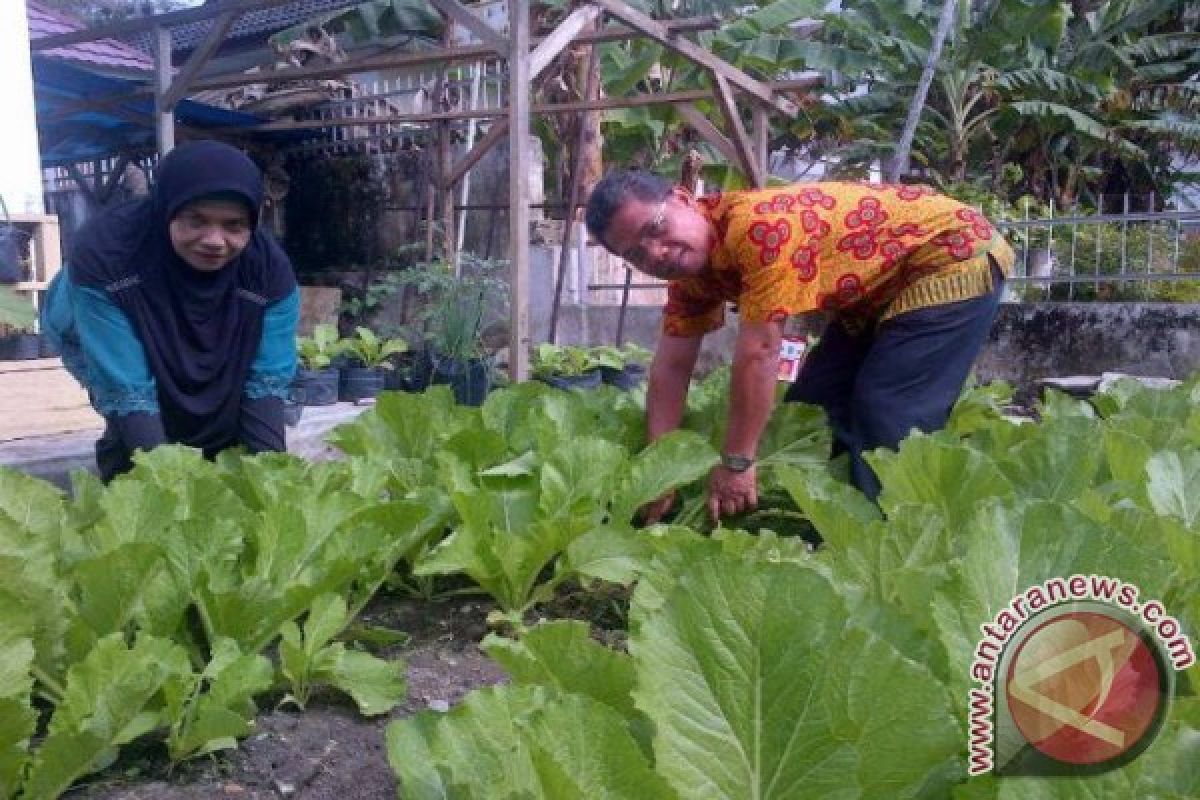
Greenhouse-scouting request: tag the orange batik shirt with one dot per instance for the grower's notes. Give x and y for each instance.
(865, 252)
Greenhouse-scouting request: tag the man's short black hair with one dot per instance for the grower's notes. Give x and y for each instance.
(618, 187)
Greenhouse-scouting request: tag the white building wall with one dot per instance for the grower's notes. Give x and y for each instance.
(20, 174)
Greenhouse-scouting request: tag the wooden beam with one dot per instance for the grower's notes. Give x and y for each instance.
(742, 144)
(198, 58)
(463, 16)
(707, 130)
(519, 170)
(138, 24)
(762, 140)
(601, 104)
(164, 117)
(690, 50)
(549, 48)
(590, 90)
(497, 132)
(398, 60)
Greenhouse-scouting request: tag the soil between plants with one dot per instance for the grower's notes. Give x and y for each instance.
(328, 751)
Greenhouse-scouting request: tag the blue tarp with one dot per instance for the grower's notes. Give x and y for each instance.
(88, 135)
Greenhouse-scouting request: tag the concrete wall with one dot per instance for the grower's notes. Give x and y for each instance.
(1038, 340)
(20, 177)
(1028, 341)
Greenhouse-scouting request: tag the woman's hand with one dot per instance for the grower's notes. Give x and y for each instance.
(731, 492)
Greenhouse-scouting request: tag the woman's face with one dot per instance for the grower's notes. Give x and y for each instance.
(208, 234)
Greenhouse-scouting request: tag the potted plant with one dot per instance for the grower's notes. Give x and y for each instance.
(451, 320)
(623, 367)
(565, 367)
(18, 342)
(316, 382)
(369, 354)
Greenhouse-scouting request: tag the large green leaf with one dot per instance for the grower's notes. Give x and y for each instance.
(214, 709)
(108, 702)
(676, 459)
(609, 553)
(17, 717)
(1052, 465)
(758, 688)
(938, 471)
(521, 743)
(562, 655)
(307, 658)
(1172, 484)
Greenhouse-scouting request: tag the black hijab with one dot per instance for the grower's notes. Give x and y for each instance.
(200, 330)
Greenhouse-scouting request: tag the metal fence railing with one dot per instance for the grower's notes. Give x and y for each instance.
(1130, 255)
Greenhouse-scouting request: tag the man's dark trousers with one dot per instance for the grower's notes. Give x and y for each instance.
(906, 373)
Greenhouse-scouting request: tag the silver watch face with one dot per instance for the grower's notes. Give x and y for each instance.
(737, 463)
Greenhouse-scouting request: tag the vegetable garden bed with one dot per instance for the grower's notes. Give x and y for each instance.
(148, 621)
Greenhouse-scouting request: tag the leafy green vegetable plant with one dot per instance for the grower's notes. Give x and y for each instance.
(370, 351)
(318, 351)
(565, 360)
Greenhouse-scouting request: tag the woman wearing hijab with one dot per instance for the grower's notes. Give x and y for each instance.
(178, 313)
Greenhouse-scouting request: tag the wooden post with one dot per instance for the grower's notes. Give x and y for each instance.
(519, 168)
(164, 117)
(573, 194)
(449, 238)
(762, 142)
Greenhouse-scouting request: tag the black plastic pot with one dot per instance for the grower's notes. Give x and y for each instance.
(470, 380)
(20, 347)
(588, 380)
(359, 383)
(626, 379)
(46, 348)
(411, 373)
(316, 387)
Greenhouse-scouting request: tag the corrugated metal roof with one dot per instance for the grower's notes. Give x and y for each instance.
(251, 23)
(109, 53)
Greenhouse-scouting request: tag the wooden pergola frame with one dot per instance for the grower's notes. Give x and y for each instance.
(527, 58)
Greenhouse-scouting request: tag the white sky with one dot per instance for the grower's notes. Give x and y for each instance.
(20, 178)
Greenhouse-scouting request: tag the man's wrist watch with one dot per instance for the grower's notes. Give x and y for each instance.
(736, 463)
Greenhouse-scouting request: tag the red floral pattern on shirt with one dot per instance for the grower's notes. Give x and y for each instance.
(911, 193)
(816, 197)
(860, 244)
(892, 250)
(845, 247)
(770, 238)
(956, 243)
(779, 204)
(849, 289)
(868, 214)
(804, 262)
(908, 229)
(813, 224)
(980, 227)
